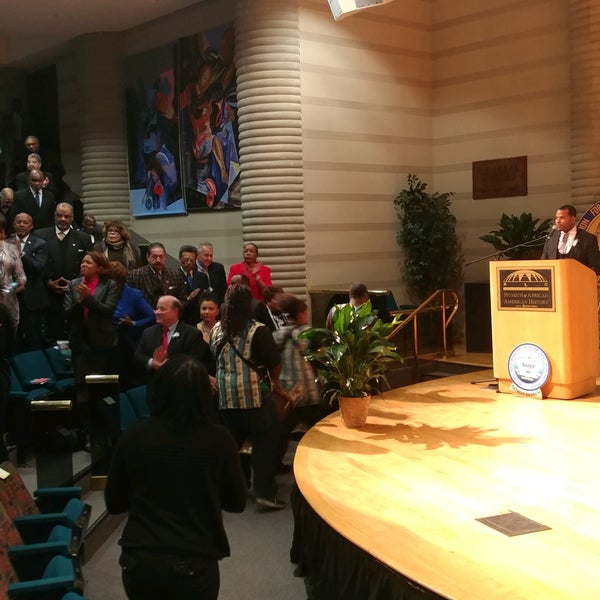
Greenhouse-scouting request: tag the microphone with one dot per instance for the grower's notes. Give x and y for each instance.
(552, 230)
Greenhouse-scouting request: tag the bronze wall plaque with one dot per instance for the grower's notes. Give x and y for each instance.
(526, 289)
(500, 178)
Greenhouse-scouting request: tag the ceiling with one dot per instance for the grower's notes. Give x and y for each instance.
(28, 29)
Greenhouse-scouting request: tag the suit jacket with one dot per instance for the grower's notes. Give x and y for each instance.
(24, 201)
(95, 236)
(218, 280)
(584, 249)
(97, 329)
(171, 283)
(185, 340)
(34, 256)
(191, 307)
(64, 257)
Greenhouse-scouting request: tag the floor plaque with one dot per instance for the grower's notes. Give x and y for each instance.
(512, 523)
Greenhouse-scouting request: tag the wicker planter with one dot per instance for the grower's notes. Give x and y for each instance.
(354, 411)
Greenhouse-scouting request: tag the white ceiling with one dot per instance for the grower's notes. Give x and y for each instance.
(30, 27)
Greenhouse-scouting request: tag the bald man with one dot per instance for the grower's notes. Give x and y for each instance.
(6, 199)
(168, 337)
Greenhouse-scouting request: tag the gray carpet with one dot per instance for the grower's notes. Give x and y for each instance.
(259, 567)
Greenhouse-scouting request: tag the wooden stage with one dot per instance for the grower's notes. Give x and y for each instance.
(434, 457)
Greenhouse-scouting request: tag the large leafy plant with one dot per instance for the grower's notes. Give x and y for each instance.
(427, 236)
(519, 237)
(351, 358)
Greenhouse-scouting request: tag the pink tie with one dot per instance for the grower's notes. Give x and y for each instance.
(165, 337)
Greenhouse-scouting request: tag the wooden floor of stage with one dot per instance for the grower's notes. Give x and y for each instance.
(434, 457)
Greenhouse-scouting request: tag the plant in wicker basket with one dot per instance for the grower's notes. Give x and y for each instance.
(351, 358)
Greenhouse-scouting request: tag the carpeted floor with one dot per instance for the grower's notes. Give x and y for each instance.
(259, 567)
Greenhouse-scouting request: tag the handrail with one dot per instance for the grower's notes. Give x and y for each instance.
(428, 305)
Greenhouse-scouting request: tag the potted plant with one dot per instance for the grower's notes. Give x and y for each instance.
(351, 359)
(519, 238)
(427, 236)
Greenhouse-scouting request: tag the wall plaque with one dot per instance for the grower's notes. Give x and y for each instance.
(526, 289)
(500, 178)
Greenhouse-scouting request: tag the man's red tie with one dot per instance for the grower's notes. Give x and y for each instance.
(165, 338)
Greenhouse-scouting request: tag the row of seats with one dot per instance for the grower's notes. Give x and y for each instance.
(40, 371)
(46, 375)
(40, 539)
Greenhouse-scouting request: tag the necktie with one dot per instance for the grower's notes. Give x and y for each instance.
(165, 337)
(38, 199)
(19, 245)
(562, 245)
(61, 235)
(190, 280)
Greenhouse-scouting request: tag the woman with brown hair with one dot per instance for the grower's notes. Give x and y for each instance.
(90, 301)
(116, 246)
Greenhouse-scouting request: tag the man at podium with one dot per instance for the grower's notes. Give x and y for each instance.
(568, 241)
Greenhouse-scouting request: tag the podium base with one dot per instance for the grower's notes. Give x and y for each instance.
(558, 391)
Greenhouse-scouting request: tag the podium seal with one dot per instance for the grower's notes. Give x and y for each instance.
(529, 369)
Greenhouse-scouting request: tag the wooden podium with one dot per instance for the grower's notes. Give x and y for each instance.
(551, 304)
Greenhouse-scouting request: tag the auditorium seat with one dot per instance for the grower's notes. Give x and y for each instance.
(33, 370)
(60, 576)
(62, 369)
(28, 560)
(25, 513)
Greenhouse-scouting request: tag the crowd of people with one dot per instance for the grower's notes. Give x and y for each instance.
(88, 285)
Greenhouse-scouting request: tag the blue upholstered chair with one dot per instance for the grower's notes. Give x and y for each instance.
(33, 370)
(60, 576)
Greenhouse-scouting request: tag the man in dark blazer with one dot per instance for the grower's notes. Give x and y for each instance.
(194, 283)
(156, 279)
(33, 299)
(212, 273)
(35, 201)
(170, 336)
(66, 248)
(568, 241)
(89, 226)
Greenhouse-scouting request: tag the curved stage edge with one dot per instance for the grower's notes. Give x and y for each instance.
(390, 510)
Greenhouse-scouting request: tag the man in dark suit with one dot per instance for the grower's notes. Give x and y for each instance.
(568, 241)
(156, 279)
(89, 226)
(33, 299)
(66, 248)
(193, 284)
(35, 201)
(168, 337)
(212, 273)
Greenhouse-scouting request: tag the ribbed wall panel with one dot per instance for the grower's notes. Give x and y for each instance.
(584, 38)
(270, 133)
(104, 176)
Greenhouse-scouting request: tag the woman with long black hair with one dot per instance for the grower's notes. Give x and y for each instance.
(248, 364)
(174, 473)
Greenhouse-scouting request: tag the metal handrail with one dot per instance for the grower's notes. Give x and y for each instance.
(428, 305)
